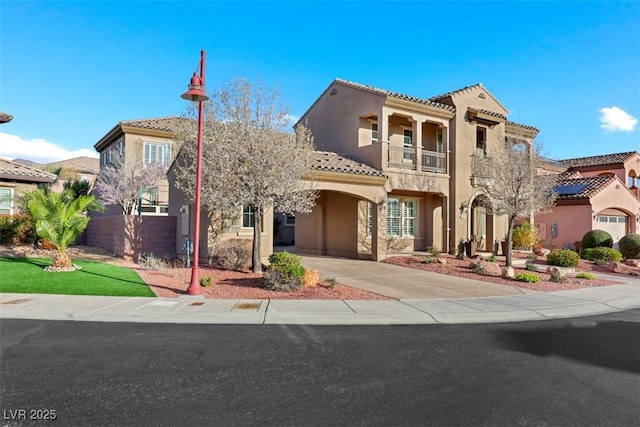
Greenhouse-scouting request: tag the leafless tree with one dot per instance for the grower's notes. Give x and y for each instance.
(250, 158)
(516, 182)
(123, 181)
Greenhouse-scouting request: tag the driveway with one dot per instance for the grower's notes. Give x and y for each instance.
(402, 282)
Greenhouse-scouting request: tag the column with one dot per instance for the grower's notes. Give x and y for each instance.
(379, 230)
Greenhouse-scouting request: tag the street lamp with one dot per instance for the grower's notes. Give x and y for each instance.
(196, 94)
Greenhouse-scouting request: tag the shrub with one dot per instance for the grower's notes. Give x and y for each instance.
(525, 237)
(492, 258)
(585, 275)
(480, 269)
(277, 280)
(528, 277)
(150, 262)
(310, 278)
(563, 258)
(16, 229)
(433, 250)
(596, 239)
(601, 255)
(331, 282)
(557, 278)
(531, 267)
(233, 254)
(429, 260)
(460, 255)
(630, 246)
(205, 281)
(284, 258)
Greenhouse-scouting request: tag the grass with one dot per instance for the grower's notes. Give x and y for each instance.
(27, 275)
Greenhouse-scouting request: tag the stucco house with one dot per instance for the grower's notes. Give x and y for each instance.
(424, 160)
(143, 141)
(597, 192)
(15, 179)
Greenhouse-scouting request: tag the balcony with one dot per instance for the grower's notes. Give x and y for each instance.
(480, 166)
(402, 158)
(434, 162)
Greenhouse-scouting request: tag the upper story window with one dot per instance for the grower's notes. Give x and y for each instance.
(106, 156)
(481, 141)
(408, 138)
(6, 201)
(157, 152)
(374, 132)
(439, 141)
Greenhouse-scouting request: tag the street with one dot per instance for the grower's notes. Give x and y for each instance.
(581, 371)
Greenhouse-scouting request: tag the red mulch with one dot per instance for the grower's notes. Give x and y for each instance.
(460, 268)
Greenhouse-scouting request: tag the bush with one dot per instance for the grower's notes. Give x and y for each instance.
(492, 258)
(557, 278)
(528, 277)
(597, 239)
(233, 254)
(480, 269)
(601, 255)
(433, 250)
(531, 267)
(149, 261)
(585, 275)
(429, 260)
(285, 272)
(563, 258)
(284, 258)
(277, 280)
(16, 229)
(205, 281)
(630, 246)
(525, 237)
(331, 282)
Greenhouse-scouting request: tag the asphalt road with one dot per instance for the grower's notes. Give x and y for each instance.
(582, 372)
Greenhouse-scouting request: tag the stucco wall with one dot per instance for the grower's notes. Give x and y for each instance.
(130, 236)
(572, 222)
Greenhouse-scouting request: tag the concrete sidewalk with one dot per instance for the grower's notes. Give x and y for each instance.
(509, 308)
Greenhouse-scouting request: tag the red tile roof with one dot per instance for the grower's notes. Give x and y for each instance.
(168, 124)
(587, 187)
(332, 162)
(10, 171)
(603, 160)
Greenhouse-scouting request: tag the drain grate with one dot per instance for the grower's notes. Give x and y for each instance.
(196, 304)
(17, 301)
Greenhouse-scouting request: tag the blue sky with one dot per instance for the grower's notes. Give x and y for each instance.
(69, 71)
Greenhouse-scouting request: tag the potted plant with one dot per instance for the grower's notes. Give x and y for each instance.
(471, 246)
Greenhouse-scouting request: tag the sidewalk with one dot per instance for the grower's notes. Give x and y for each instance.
(509, 308)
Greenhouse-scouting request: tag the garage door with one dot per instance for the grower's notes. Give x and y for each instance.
(614, 225)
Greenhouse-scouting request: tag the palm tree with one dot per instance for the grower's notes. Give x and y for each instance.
(60, 218)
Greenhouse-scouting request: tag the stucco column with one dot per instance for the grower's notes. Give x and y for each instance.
(444, 202)
(417, 143)
(379, 230)
(383, 124)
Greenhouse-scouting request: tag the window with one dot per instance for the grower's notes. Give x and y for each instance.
(106, 157)
(408, 218)
(157, 152)
(401, 217)
(6, 199)
(481, 141)
(374, 132)
(408, 145)
(393, 217)
(289, 220)
(121, 147)
(369, 219)
(248, 217)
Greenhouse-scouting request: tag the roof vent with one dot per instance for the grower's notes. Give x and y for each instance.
(333, 91)
(482, 95)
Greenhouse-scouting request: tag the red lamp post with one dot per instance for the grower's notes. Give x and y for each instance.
(196, 94)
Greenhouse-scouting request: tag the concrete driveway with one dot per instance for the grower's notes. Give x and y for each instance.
(402, 282)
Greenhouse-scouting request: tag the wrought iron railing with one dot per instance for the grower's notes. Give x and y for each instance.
(433, 161)
(402, 157)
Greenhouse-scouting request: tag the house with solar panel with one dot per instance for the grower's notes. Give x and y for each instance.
(594, 193)
(420, 165)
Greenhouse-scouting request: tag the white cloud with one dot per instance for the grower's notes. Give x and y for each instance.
(37, 150)
(615, 119)
(292, 119)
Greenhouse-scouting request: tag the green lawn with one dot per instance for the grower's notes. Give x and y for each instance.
(27, 275)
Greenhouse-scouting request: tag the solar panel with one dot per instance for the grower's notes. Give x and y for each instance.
(569, 190)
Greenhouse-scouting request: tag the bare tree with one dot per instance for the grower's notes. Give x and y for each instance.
(122, 182)
(250, 159)
(516, 182)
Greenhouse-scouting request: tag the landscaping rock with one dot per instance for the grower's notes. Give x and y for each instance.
(543, 252)
(508, 273)
(632, 262)
(442, 260)
(553, 269)
(618, 267)
(490, 268)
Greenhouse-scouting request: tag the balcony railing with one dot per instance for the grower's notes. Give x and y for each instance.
(480, 166)
(434, 162)
(402, 157)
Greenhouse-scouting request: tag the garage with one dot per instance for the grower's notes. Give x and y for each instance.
(616, 225)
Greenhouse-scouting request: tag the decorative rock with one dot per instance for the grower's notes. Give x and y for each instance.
(442, 261)
(618, 267)
(553, 269)
(490, 268)
(632, 262)
(543, 252)
(508, 272)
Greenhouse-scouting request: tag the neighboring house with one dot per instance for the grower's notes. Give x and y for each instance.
(77, 168)
(419, 163)
(15, 179)
(5, 118)
(143, 141)
(597, 192)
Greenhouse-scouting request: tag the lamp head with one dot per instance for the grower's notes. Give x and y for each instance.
(196, 90)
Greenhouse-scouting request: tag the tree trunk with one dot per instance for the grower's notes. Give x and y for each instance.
(61, 260)
(257, 236)
(509, 253)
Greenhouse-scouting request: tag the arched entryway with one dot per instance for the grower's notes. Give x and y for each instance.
(481, 223)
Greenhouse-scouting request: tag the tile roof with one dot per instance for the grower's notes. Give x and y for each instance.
(385, 92)
(588, 187)
(520, 125)
(159, 123)
(332, 162)
(603, 160)
(5, 117)
(17, 172)
(458, 91)
(493, 114)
